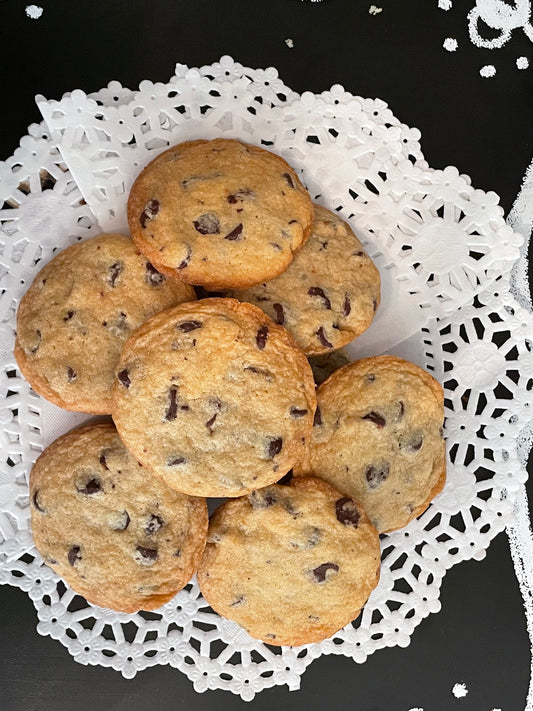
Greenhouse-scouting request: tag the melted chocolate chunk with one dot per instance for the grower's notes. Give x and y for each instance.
(235, 233)
(260, 500)
(317, 291)
(273, 446)
(174, 461)
(317, 420)
(376, 418)
(185, 261)
(414, 444)
(146, 556)
(188, 326)
(209, 424)
(150, 211)
(36, 503)
(346, 307)
(153, 277)
(261, 337)
(122, 523)
(280, 314)
(69, 315)
(103, 461)
(124, 378)
(347, 512)
(153, 525)
(172, 409)
(74, 554)
(320, 572)
(93, 486)
(401, 409)
(71, 375)
(114, 272)
(289, 179)
(239, 195)
(322, 338)
(376, 474)
(207, 224)
(297, 412)
(260, 371)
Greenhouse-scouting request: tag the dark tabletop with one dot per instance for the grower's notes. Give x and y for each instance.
(483, 126)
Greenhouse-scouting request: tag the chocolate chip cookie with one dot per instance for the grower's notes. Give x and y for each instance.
(378, 436)
(75, 317)
(328, 295)
(291, 564)
(219, 213)
(117, 535)
(214, 398)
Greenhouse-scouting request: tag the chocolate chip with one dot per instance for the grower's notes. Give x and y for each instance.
(114, 272)
(347, 512)
(273, 446)
(296, 412)
(184, 262)
(317, 291)
(153, 525)
(124, 378)
(150, 211)
(276, 246)
(188, 326)
(376, 474)
(359, 253)
(289, 179)
(177, 554)
(71, 375)
(261, 337)
(346, 307)
(207, 224)
(146, 556)
(237, 602)
(401, 409)
(260, 371)
(209, 424)
(414, 444)
(313, 535)
(69, 315)
(320, 572)
(153, 277)
(172, 409)
(376, 418)
(374, 305)
(103, 461)
(39, 337)
(262, 499)
(174, 461)
(235, 233)
(370, 378)
(36, 503)
(123, 521)
(322, 338)
(292, 222)
(74, 554)
(93, 486)
(239, 195)
(317, 420)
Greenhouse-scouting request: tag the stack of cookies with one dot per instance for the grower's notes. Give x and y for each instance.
(212, 395)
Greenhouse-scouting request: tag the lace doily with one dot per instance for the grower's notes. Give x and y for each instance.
(445, 254)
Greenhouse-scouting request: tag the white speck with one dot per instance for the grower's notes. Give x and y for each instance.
(34, 11)
(522, 63)
(289, 43)
(459, 691)
(373, 10)
(496, 710)
(445, 4)
(450, 44)
(489, 70)
(416, 709)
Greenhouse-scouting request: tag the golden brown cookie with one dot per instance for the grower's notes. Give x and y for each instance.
(214, 398)
(291, 564)
(328, 295)
(377, 436)
(219, 213)
(117, 535)
(75, 317)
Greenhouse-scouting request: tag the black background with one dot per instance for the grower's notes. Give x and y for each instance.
(483, 126)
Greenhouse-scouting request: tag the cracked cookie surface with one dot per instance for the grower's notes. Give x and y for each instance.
(219, 213)
(116, 534)
(291, 564)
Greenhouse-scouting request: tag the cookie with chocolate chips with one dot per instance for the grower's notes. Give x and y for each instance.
(117, 535)
(214, 398)
(219, 213)
(291, 564)
(328, 295)
(75, 317)
(378, 436)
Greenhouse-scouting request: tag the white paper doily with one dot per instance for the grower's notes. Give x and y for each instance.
(445, 254)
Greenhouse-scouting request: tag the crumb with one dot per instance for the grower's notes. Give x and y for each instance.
(445, 4)
(34, 11)
(489, 70)
(450, 44)
(522, 63)
(459, 690)
(373, 10)
(289, 43)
